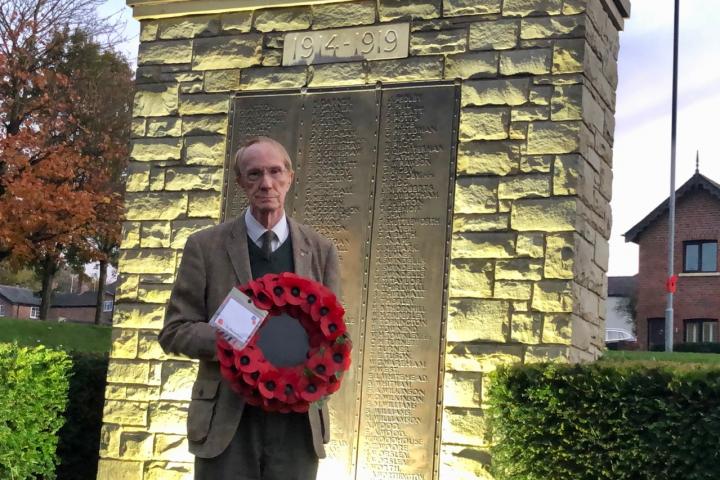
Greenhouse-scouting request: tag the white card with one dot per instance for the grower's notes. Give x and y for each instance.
(238, 318)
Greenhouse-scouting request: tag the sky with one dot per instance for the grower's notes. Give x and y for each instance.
(641, 164)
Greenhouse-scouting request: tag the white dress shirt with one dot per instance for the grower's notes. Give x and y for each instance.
(255, 230)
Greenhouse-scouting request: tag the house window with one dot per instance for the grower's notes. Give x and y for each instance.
(2, 310)
(107, 306)
(35, 312)
(701, 330)
(701, 256)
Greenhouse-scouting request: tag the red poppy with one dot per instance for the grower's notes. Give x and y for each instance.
(331, 367)
(326, 305)
(319, 364)
(247, 290)
(260, 297)
(333, 385)
(332, 327)
(253, 397)
(311, 388)
(278, 292)
(300, 407)
(247, 359)
(341, 354)
(225, 352)
(296, 287)
(314, 291)
(252, 377)
(268, 383)
(230, 373)
(288, 386)
(269, 279)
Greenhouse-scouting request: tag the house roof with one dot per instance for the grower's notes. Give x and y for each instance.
(696, 183)
(86, 299)
(19, 295)
(621, 286)
(24, 296)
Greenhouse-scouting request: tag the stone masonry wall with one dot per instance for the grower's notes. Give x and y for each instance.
(531, 221)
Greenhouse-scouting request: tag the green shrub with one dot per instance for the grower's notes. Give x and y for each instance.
(605, 421)
(33, 395)
(706, 347)
(79, 438)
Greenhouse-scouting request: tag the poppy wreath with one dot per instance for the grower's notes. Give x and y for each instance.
(290, 389)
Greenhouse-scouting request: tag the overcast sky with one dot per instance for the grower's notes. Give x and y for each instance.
(642, 134)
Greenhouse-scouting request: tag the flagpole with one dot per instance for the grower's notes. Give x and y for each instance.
(669, 321)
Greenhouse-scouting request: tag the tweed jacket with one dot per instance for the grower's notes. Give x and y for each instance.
(214, 260)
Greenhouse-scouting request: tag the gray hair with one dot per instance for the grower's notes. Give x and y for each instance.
(237, 166)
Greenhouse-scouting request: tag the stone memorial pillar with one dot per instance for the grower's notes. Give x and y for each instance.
(463, 149)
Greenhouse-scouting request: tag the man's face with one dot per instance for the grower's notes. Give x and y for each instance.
(264, 178)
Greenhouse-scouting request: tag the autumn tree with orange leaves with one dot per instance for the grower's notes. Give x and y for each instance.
(64, 126)
(104, 111)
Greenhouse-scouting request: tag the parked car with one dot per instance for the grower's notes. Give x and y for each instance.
(620, 339)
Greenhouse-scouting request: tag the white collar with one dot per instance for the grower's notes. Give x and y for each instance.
(255, 229)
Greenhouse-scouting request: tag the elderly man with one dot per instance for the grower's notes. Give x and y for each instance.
(232, 440)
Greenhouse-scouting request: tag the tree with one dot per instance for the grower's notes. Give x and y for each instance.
(59, 170)
(22, 277)
(104, 111)
(44, 207)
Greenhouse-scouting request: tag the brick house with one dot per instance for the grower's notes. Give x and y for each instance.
(697, 232)
(21, 302)
(18, 302)
(80, 307)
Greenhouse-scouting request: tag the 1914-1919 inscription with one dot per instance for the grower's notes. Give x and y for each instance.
(374, 172)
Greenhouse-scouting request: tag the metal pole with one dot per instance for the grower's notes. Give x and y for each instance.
(669, 322)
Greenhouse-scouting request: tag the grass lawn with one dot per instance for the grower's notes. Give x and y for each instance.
(65, 336)
(681, 357)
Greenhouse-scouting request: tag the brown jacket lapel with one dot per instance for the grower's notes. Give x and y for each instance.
(302, 252)
(237, 248)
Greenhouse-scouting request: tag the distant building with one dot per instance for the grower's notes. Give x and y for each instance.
(18, 302)
(621, 294)
(697, 300)
(80, 307)
(77, 307)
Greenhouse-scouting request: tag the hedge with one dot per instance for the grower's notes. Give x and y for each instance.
(79, 438)
(704, 347)
(600, 421)
(33, 395)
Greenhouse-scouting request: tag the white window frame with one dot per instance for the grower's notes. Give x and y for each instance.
(2, 310)
(107, 305)
(34, 313)
(701, 330)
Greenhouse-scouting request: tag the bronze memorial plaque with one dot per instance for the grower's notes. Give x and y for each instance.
(375, 173)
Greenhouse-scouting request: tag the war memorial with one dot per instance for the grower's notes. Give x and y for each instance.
(458, 152)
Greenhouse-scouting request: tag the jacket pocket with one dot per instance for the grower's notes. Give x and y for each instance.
(202, 408)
